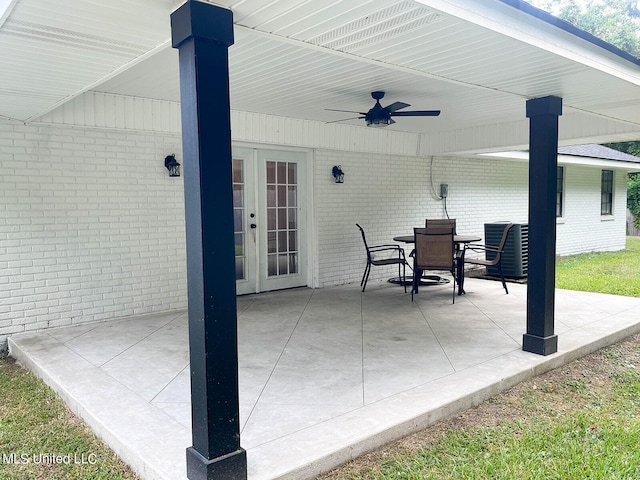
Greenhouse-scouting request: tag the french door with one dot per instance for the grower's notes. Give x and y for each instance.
(269, 198)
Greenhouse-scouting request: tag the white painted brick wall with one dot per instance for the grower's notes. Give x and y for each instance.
(389, 195)
(91, 226)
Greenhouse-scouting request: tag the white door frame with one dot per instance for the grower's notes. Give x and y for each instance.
(254, 158)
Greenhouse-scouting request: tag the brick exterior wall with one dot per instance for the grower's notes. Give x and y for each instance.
(91, 226)
(388, 195)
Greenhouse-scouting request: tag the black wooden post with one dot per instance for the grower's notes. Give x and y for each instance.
(203, 33)
(543, 161)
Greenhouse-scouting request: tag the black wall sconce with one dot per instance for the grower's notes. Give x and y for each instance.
(338, 174)
(172, 165)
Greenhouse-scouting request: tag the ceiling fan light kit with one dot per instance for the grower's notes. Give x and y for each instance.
(379, 122)
(379, 116)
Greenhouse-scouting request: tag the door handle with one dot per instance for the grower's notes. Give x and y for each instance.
(253, 225)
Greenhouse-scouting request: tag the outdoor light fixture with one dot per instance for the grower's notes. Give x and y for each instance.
(172, 165)
(338, 174)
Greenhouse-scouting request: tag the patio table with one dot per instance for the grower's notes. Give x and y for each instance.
(458, 240)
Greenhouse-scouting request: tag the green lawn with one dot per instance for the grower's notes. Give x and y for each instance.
(41, 439)
(580, 421)
(617, 273)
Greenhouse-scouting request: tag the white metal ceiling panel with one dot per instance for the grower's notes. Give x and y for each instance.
(52, 50)
(297, 58)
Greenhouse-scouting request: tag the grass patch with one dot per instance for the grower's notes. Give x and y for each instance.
(616, 273)
(579, 421)
(41, 439)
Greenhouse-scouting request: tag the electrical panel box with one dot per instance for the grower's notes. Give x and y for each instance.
(444, 190)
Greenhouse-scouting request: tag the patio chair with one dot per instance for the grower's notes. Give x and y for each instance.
(493, 254)
(434, 250)
(383, 255)
(438, 222)
(441, 222)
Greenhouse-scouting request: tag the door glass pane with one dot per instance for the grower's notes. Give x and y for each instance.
(271, 172)
(293, 196)
(282, 241)
(271, 219)
(282, 195)
(271, 196)
(283, 264)
(282, 225)
(239, 268)
(293, 173)
(292, 218)
(272, 265)
(282, 218)
(271, 242)
(293, 263)
(282, 173)
(238, 218)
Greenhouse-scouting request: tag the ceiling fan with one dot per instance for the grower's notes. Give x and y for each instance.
(379, 116)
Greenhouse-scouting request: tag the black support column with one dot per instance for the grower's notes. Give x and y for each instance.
(203, 33)
(543, 161)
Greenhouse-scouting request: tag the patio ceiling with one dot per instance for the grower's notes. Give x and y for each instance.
(477, 61)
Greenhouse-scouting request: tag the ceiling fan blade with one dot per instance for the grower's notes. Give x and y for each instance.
(397, 106)
(346, 119)
(417, 113)
(346, 111)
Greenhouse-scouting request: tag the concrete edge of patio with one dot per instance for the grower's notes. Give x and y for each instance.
(155, 445)
(150, 461)
(403, 414)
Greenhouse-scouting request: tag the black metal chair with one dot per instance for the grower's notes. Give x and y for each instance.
(383, 255)
(493, 254)
(434, 250)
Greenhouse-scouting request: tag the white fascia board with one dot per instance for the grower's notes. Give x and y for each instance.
(521, 156)
(506, 20)
(6, 6)
(598, 162)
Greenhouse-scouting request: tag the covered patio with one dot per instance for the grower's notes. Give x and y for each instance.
(96, 99)
(325, 374)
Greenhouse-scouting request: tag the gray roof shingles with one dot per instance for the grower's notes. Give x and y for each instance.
(597, 151)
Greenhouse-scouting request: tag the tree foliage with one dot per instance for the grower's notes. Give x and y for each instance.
(633, 197)
(618, 23)
(614, 21)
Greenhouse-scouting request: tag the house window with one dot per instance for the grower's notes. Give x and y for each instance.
(606, 195)
(560, 193)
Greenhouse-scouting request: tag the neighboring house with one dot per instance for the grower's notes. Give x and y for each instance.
(92, 226)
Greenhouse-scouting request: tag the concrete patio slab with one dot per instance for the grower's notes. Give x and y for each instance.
(325, 374)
